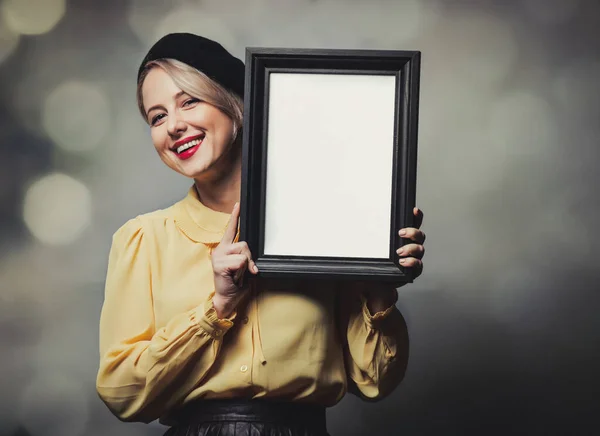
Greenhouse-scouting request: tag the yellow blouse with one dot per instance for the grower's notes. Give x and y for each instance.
(162, 344)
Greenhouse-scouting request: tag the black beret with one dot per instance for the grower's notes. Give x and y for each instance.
(205, 55)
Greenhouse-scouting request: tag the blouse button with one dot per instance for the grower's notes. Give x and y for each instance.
(244, 368)
(245, 320)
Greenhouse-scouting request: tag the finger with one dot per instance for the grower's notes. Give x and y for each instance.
(238, 277)
(411, 250)
(233, 263)
(415, 265)
(413, 234)
(242, 248)
(238, 248)
(231, 230)
(418, 213)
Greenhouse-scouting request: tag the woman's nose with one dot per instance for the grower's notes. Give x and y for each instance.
(175, 124)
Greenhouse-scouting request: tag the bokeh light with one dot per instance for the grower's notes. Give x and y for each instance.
(249, 17)
(396, 22)
(472, 48)
(76, 116)
(54, 404)
(57, 209)
(143, 15)
(194, 20)
(8, 41)
(33, 17)
(151, 19)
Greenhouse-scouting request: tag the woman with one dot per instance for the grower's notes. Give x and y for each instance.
(181, 340)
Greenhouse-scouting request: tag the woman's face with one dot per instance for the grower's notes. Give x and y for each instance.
(190, 136)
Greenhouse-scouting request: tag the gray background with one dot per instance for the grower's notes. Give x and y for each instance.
(503, 322)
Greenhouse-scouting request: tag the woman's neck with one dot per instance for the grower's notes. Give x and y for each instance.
(221, 191)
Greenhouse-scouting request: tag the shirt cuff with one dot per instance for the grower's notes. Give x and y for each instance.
(206, 317)
(374, 320)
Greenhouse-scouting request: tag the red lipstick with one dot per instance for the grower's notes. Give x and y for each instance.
(189, 152)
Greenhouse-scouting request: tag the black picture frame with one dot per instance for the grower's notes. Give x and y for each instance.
(400, 67)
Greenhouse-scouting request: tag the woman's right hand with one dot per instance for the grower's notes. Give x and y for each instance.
(229, 261)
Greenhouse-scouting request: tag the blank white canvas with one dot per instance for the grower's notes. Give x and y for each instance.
(329, 165)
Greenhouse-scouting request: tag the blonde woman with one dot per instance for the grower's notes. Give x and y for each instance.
(180, 339)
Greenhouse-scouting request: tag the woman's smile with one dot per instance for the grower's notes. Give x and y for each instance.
(187, 147)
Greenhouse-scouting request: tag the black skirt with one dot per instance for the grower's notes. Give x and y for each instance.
(248, 418)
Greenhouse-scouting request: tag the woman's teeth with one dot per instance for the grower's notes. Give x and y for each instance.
(187, 145)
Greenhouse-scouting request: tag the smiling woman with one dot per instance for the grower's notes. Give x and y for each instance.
(188, 112)
(183, 338)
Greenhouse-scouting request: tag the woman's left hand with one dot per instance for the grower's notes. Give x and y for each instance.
(411, 255)
(380, 296)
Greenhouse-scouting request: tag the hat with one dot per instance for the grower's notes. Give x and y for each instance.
(205, 55)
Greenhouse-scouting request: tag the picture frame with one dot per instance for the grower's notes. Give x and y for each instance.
(329, 161)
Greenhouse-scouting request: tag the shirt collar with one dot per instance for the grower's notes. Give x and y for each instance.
(198, 222)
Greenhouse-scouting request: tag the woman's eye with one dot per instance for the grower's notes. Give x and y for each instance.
(191, 101)
(156, 119)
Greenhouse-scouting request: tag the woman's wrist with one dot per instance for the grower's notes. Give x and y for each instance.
(381, 299)
(223, 307)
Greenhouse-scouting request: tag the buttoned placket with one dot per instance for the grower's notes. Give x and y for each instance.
(190, 220)
(245, 332)
(250, 324)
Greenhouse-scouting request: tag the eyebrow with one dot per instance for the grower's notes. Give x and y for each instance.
(160, 106)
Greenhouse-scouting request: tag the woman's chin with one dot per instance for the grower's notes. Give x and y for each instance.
(188, 169)
(192, 172)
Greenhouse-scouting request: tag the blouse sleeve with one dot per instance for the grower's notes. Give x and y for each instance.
(376, 351)
(144, 371)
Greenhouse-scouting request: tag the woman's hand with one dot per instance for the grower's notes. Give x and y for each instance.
(380, 296)
(229, 261)
(411, 254)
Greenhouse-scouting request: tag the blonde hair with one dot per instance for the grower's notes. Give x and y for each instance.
(197, 85)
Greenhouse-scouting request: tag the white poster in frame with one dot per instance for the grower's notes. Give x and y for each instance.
(329, 161)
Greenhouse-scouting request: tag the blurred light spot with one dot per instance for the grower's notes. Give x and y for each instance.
(33, 17)
(194, 20)
(152, 19)
(552, 11)
(385, 25)
(474, 49)
(57, 209)
(522, 123)
(8, 41)
(76, 116)
(44, 69)
(248, 12)
(143, 15)
(54, 404)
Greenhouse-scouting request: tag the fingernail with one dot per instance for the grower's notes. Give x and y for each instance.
(255, 269)
(402, 232)
(400, 251)
(403, 261)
